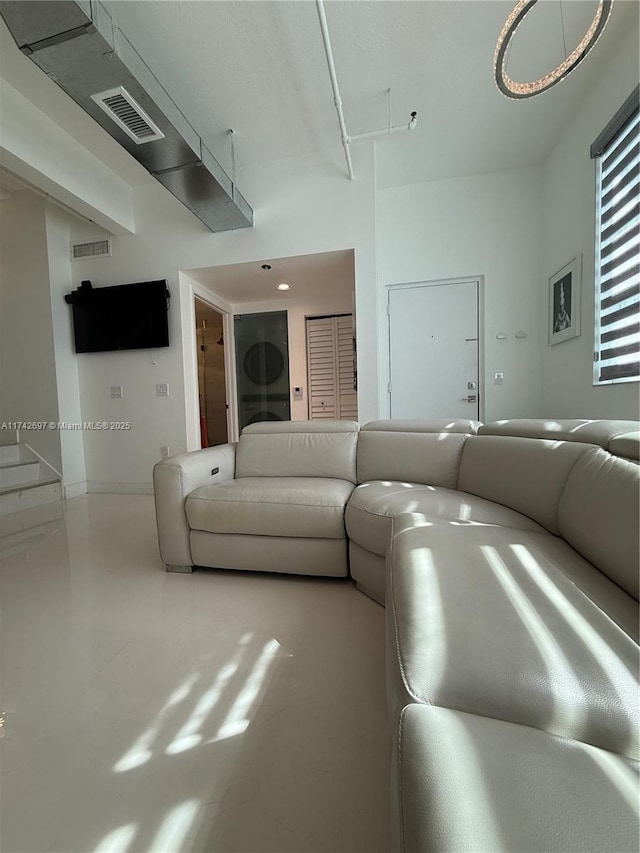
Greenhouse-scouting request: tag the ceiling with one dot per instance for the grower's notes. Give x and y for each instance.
(326, 275)
(258, 66)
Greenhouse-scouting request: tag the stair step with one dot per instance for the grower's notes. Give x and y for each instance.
(8, 436)
(44, 479)
(9, 452)
(16, 473)
(21, 529)
(19, 454)
(30, 519)
(27, 495)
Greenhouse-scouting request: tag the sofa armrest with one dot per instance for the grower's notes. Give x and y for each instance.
(173, 480)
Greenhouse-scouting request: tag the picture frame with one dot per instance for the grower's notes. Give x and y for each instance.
(565, 302)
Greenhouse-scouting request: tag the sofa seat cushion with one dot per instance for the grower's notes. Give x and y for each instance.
(468, 783)
(482, 619)
(373, 505)
(310, 507)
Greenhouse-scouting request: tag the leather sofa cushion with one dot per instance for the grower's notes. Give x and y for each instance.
(465, 783)
(627, 445)
(437, 425)
(588, 432)
(281, 554)
(413, 457)
(525, 474)
(310, 507)
(298, 449)
(599, 514)
(481, 619)
(372, 507)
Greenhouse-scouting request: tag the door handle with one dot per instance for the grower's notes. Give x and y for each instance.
(471, 398)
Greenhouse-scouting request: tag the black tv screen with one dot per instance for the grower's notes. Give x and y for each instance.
(128, 316)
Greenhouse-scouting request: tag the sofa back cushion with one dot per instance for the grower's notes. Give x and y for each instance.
(587, 432)
(525, 474)
(598, 515)
(412, 451)
(627, 445)
(298, 449)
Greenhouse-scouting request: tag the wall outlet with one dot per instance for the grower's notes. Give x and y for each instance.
(164, 451)
(498, 378)
(162, 390)
(116, 392)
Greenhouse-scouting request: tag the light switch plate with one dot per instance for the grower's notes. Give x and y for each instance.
(498, 378)
(116, 392)
(162, 389)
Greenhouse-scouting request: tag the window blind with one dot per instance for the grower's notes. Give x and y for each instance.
(617, 353)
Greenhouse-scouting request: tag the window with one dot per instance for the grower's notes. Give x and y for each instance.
(617, 327)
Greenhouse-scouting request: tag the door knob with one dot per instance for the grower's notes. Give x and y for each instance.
(471, 398)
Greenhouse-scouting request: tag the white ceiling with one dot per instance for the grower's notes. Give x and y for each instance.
(259, 68)
(328, 274)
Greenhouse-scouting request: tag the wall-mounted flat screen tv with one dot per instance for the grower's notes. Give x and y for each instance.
(128, 316)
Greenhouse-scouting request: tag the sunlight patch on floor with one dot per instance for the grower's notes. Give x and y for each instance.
(237, 720)
(118, 840)
(140, 752)
(175, 827)
(189, 735)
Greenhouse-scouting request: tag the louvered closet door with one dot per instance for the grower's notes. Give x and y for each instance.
(330, 359)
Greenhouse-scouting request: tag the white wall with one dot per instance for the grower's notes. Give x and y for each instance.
(483, 225)
(34, 147)
(569, 229)
(28, 386)
(302, 206)
(58, 234)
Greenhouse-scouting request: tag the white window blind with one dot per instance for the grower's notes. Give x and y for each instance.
(617, 343)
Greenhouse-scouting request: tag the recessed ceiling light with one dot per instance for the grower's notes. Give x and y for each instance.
(284, 286)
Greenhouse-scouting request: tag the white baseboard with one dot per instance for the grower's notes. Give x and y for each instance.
(95, 487)
(74, 490)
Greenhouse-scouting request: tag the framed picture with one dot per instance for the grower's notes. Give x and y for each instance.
(564, 302)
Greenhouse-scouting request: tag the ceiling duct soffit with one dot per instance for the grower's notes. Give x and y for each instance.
(77, 46)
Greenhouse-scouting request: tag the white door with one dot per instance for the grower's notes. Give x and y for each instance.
(433, 350)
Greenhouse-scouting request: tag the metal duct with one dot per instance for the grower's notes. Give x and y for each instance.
(76, 44)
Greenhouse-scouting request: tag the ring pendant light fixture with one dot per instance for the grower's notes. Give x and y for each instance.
(513, 89)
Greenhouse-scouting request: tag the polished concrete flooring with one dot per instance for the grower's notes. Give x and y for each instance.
(218, 711)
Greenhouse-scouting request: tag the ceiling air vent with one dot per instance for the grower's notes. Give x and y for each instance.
(95, 249)
(128, 115)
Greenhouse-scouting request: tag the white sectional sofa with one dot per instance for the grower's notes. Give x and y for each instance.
(507, 555)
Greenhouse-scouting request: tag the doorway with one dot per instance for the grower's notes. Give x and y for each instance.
(434, 349)
(212, 389)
